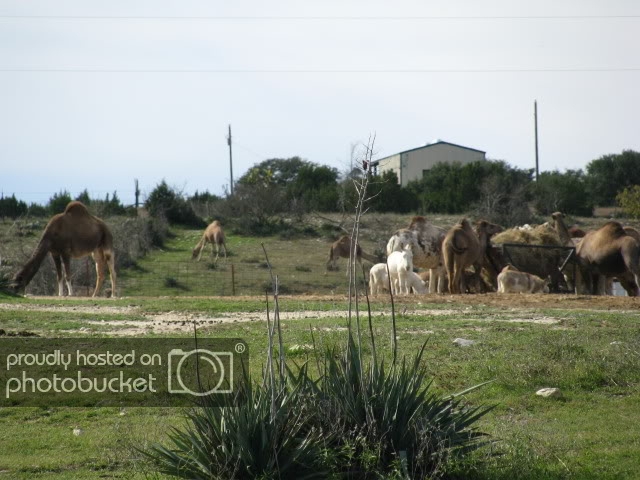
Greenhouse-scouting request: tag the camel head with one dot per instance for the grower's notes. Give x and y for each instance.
(417, 220)
(17, 284)
(487, 227)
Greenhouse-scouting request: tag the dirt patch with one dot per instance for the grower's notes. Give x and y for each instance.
(460, 306)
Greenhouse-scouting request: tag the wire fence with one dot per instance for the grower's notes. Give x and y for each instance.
(171, 278)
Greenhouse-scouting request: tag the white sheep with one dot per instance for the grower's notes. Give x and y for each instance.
(378, 278)
(400, 264)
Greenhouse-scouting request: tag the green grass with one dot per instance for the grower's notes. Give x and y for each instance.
(590, 433)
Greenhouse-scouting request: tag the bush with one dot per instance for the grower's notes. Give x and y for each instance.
(270, 435)
(389, 411)
(12, 208)
(629, 201)
(356, 421)
(166, 202)
(58, 202)
(562, 192)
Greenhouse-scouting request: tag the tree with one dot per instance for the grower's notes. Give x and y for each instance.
(84, 197)
(629, 201)
(388, 196)
(610, 174)
(12, 207)
(278, 171)
(165, 201)
(565, 192)
(58, 202)
(455, 188)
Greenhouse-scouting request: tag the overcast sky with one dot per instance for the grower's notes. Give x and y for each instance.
(98, 93)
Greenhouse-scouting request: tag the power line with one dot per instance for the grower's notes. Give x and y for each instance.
(320, 18)
(326, 71)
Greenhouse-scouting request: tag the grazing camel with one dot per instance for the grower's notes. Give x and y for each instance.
(214, 235)
(74, 233)
(426, 241)
(342, 248)
(463, 247)
(609, 251)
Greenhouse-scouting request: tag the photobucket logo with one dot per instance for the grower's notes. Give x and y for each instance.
(79, 383)
(184, 374)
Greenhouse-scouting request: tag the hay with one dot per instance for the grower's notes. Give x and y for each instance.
(541, 262)
(540, 235)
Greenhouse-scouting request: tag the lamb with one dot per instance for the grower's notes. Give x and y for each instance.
(400, 264)
(511, 280)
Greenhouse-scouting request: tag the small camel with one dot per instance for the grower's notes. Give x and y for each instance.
(511, 280)
(464, 247)
(214, 235)
(561, 229)
(342, 248)
(74, 233)
(609, 251)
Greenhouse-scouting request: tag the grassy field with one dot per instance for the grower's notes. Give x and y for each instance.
(588, 347)
(591, 351)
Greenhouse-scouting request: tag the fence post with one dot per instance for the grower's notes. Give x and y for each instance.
(233, 280)
(86, 265)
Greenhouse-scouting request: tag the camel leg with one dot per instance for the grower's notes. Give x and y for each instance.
(58, 263)
(433, 280)
(111, 263)
(217, 252)
(200, 252)
(66, 263)
(98, 256)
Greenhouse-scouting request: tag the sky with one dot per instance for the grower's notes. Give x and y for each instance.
(96, 94)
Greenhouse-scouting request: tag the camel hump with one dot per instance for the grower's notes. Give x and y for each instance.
(76, 207)
(417, 220)
(614, 228)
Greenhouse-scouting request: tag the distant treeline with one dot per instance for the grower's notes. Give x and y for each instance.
(279, 188)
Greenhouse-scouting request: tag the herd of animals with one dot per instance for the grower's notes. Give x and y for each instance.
(462, 259)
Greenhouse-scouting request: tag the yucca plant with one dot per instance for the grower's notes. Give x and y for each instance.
(269, 435)
(392, 410)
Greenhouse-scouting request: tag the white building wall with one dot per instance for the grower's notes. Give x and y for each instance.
(411, 164)
(416, 161)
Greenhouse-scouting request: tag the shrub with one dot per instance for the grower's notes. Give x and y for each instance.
(165, 202)
(391, 411)
(269, 435)
(629, 201)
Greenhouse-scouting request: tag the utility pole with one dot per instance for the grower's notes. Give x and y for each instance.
(535, 121)
(137, 194)
(230, 158)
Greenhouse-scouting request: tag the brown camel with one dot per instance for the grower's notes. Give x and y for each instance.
(342, 248)
(562, 230)
(74, 233)
(463, 247)
(214, 235)
(607, 252)
(576, 232)
(426, 240)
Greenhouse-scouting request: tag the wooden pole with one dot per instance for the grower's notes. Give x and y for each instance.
(233, 280)
(230, 160)
(535, 121)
